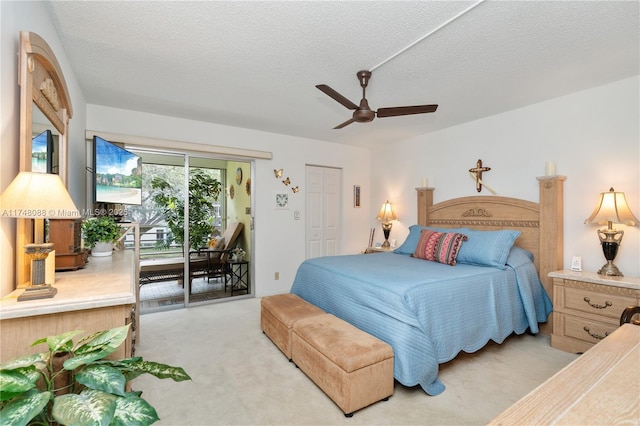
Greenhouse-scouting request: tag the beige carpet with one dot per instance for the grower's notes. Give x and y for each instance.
(241, 378)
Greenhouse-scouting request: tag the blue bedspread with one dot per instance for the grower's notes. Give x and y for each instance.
(428, 312)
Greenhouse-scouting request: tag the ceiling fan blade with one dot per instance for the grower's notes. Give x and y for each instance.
(407, 110)
(337, 96)
(346, 123)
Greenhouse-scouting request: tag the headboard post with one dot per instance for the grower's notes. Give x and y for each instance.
(551, 230)
(425, 200)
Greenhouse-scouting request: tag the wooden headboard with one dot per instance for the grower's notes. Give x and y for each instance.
(541, 223)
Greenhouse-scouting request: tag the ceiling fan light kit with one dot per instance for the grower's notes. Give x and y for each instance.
(363, 113)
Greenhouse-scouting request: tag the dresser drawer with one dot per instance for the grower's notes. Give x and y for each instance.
(586, 330)
(597, 303)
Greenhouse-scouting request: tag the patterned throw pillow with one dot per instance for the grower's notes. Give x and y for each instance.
(441, 247)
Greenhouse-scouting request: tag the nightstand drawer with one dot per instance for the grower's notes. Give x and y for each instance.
(602, 304)
(586, 330)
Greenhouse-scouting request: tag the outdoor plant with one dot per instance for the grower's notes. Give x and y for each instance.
(204, 191)
(85, 389)
(102, 229)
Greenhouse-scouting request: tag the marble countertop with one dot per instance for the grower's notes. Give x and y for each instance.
(105, 281)
(592, 277)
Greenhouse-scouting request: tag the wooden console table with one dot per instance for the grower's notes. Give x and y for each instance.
(600, 387)
(97, 297)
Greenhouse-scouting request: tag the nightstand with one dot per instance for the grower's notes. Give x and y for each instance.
(369, 250)
(587, 307)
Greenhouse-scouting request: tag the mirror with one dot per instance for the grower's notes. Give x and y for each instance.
(45, 143)
(45, 107)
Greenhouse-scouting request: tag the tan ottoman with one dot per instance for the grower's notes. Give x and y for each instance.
(277, 315)
(352, 367)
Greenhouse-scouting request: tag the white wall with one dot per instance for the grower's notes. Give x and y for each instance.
(16, 16)
(593, 136)
(279, 239)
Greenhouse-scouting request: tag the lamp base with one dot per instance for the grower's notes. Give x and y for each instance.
(44, 291)
(610, 270)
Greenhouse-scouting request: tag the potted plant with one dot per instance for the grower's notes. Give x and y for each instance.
(84, 389)
(100, 233)
(237, 254)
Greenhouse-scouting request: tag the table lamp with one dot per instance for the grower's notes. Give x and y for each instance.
(37, 196)
(612, 208)
(386, 215)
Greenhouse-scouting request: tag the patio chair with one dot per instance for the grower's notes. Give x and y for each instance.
(217, 266)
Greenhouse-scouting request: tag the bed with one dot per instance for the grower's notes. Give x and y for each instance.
(430, 311)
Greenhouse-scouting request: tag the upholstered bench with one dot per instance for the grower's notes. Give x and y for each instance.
(278, 313)
(352, 367)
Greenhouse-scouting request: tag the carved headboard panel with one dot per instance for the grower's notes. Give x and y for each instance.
(491, 213)
(541, 223)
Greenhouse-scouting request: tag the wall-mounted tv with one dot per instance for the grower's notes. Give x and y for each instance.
(42, 152)
(117, 174)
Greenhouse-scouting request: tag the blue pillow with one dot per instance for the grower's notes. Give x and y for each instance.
(487, 248)
(411, 242)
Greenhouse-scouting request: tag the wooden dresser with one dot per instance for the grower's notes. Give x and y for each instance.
(587, 307)
(97, 297)
(598, 388)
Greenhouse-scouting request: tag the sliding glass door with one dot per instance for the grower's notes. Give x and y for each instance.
(194, 211)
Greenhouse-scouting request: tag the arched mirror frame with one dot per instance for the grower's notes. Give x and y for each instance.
(42, 86)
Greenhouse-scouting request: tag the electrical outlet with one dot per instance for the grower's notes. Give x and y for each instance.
(276, 276)
(576, 263)
(296, 215)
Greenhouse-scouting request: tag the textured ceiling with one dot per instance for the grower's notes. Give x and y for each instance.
(256, 64)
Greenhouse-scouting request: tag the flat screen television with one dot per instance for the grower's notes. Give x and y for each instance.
(117, 174)
(42, 152)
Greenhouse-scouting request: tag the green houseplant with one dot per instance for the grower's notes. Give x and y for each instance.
(85, 389)
(100, 230)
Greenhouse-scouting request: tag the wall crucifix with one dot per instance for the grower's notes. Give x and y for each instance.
(477, 173)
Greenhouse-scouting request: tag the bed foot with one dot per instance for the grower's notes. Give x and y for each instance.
(348, 415)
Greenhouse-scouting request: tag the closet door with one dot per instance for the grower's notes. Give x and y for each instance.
(323, 220)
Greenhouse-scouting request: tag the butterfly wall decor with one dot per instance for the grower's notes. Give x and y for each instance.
(295, 189)
(287, 181)
(277, 173)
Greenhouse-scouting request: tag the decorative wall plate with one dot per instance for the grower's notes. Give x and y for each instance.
(238, 175)
(232, 192)
(247, 186)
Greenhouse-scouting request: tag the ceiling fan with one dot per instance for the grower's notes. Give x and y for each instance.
(364, 114)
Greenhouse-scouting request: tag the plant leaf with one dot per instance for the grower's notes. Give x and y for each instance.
(108, 338)
(16, 382)
(134, 367)
(90, 407)
(20, 411)
(102, 377)
(39, 361)
(133, 411)
(77, 361)
(59, 343)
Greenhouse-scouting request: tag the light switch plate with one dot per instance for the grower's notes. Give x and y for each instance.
(576, 263)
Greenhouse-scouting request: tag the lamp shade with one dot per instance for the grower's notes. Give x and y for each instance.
(386, 212)
(37, 196)
(612, 207)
